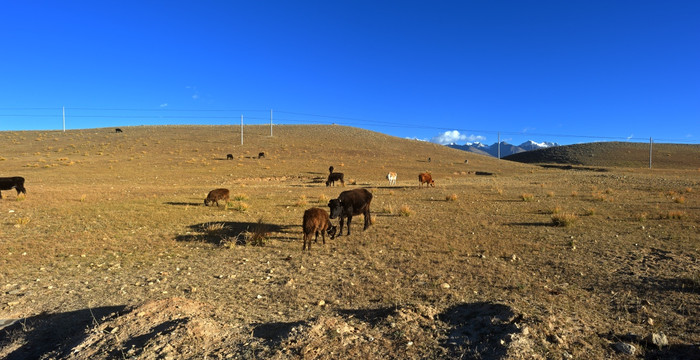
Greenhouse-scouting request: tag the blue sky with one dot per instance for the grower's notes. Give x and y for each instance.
(560, 71)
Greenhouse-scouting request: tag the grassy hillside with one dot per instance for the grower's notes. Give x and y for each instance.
(615, 154)
(112, 244)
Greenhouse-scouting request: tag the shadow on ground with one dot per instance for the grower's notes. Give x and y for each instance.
(217, 232)
(51, 335)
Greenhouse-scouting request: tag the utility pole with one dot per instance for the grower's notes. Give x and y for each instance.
(270, 122)
(241, 129)
(499, 144)
(650, 145)
(64, 119)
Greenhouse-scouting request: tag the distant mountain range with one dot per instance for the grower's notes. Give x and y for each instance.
(506, 149)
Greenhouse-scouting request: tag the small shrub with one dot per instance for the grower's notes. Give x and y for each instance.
(240, 197)
(591, 211)
(323, 199)
(451, 197)
(674, 214)
(302, 201)
(564, 219)
(405, 210)
(550, 194)
(642, 217)
(679, 200)
(527, 197)
(213, 228)
(83, 197)
(574, 193)
(257, 235)
(21, 222)
(387, 209)
(237, 205)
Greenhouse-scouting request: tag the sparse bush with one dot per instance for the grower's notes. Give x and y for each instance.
(550, 194)
(574, 193)
(323, 199)
(405, 210)
(642, 216)
(387, 209)
(257, 235)
(679, 200)
(240, 197)
(527, 197)
(21, 221)
(564, 219)
(591, 211)
(451, 197)
(83, 197)
(302, 201)
(213, 228)
(237, 205)
(674, 214)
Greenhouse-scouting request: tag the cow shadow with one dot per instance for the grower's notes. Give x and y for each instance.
(218, 232)
(532, 224)
(275, 332)
(45, 335)
(182, 203)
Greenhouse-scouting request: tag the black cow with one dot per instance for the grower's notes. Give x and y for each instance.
(261, 155)
(333, 177)
(229, 156)
(349, 203)
(118, 130)
(330, 169)
(17, 182)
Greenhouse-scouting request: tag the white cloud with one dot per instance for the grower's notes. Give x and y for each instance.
(631, 136)
(449, 137)
(164, 105)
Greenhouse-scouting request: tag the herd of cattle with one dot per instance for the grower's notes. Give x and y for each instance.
(348, 204)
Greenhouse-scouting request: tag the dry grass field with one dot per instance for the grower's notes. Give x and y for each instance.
(112, 253)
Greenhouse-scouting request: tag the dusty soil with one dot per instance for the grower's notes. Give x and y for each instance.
(112, 253)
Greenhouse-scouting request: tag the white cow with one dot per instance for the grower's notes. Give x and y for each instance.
(391, 177)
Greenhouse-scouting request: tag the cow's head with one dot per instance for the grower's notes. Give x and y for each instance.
(332, 230)
(336, 208)
(328, 183)
(432, 183)
(206, 202)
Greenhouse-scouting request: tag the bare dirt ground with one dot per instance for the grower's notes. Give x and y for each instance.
(112, 253)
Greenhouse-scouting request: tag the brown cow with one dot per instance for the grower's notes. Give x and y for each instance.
(316, 220)
(333, 177)
(17, 182)
(425, 178)
(216, 195)
(349, 203)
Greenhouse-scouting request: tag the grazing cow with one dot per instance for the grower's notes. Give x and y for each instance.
(316, 220)
(17, 182)
(216, 195)
(118, 130)
(429, 160)
(425, 178)
(229, 156)
(391, 177)
(466, 161)
(261, 155)
(333, 177)
(330, 169)
(349, 203)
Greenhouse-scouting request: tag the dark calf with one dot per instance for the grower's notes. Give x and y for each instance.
(333, 177)
(118, 130)
(316, 220)
(216, 195)
(261, 155)
(349, 203)
(17, 182)
(229, 156)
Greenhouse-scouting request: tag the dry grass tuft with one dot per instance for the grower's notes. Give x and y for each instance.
(451, 197)
(387, 209)
(673, 214)
(550, 194)
(405, 210)
(323, 199)
(527, 197)
(564, 219)
(237, 206)
(240, 197)
(301, 201)
(257, 235)
(679, 199)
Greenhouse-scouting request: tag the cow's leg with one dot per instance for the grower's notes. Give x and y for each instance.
(368, 219)
(323, 235)
(306, 238)
(349, 220)
(340, 230)
(0, 194)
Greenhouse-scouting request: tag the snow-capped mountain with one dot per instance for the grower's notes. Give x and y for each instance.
(506, 149)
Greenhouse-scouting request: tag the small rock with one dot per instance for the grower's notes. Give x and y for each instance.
(625, 348)
(445, 285)
(321, 302)
(658, 339)
(650, 321)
